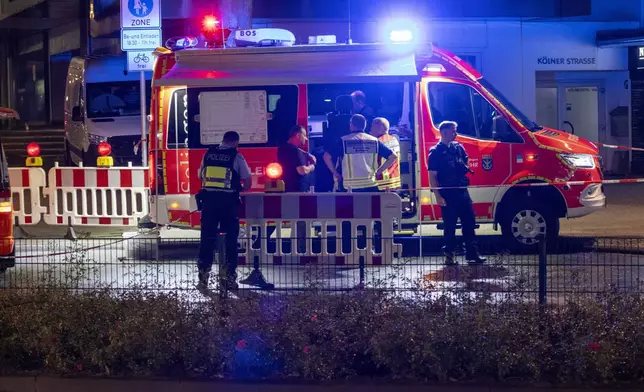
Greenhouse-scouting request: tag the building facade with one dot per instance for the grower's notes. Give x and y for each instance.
(545, 59)
(38, 39)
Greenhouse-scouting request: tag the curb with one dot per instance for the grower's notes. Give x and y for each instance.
(53, 384)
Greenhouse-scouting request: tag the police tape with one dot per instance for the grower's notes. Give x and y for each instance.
(616, 147)
(543, 183)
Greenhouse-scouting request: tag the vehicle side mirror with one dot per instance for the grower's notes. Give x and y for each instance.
(77, 115)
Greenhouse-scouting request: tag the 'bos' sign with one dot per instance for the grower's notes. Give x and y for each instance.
(140, 14)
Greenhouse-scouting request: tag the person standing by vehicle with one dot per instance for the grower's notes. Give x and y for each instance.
(224, 173)
(358, 155)
(297, 163)
(448, 169)
(390, 178)
(360, 107)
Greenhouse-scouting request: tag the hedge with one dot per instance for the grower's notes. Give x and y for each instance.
(318, 336)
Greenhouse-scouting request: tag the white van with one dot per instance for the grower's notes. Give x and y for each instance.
(102, 103)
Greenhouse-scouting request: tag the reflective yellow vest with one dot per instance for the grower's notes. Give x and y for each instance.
(360, 160)
(217, 173)
(391, 177)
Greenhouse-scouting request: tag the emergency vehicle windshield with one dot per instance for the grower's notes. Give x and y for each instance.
(115, 99)
(525, 121)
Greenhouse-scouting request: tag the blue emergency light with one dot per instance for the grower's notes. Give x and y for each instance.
(178, 43)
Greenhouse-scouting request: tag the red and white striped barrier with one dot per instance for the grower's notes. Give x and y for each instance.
(306, 206)
(91, 196)
(307, 212)
(27, 186)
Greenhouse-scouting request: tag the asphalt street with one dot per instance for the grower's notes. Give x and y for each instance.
(98, 261)
(92, 264)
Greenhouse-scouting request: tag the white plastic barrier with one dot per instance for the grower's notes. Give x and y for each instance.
(322, 210)
(27, 185)
(91, 196)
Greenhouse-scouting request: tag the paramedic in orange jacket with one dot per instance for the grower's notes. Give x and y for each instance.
(390, 178)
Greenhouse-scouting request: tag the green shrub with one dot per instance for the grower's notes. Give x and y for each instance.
(415, 336)
(319, 336)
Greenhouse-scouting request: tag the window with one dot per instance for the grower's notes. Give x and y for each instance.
(281, 104)
(386, 99)
(178, 120)
(475, 116)
(116, 99)
(523, 119)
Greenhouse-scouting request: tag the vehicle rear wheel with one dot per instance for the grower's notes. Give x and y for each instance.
(522, 224)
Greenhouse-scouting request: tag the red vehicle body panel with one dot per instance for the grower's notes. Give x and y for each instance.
(541, 149)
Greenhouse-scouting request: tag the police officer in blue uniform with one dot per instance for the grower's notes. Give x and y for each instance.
(224, 173)
(448, 169)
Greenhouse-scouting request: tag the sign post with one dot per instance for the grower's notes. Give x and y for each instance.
(140, 36)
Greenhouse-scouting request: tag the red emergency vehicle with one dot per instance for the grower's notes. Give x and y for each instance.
(198, 93)
(7, 242)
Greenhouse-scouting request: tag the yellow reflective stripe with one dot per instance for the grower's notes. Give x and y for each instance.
(394, 184)
(216, 177)
(349, 165)
(213, 184)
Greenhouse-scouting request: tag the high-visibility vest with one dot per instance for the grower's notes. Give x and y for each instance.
(217, 174)
(360, 160)
(391, 177)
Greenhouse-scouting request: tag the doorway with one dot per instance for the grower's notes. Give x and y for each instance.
(579, 111)
(575, 107)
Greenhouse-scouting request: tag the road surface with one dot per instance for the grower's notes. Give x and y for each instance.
(623, 217)
(92, 264)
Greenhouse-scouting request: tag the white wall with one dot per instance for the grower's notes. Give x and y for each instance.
(555, 47)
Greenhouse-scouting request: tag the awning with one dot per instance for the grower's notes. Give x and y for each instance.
(295, 65)
(620, 38)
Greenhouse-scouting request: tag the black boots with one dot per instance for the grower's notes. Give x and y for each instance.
(204, 276)
(471, 256)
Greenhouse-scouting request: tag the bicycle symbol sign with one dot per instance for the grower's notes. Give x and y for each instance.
(141, 57)
(140, 8)
(140, 61)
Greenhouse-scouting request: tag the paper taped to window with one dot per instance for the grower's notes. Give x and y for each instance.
(241, 111)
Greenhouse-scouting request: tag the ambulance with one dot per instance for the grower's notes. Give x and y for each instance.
(521, 171)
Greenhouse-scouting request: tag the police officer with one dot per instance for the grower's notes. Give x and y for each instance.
(224, 173)
(448, 169)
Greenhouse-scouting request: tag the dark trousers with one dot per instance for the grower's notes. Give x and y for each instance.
(459, 205)
(219, 215)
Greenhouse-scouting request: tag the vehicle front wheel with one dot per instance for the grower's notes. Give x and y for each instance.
(522, 225)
